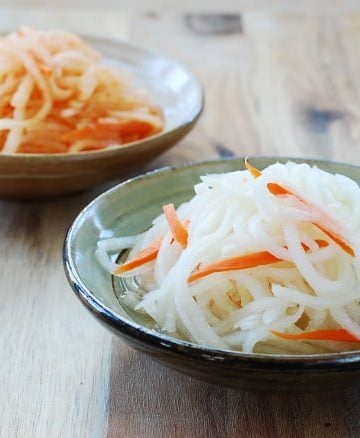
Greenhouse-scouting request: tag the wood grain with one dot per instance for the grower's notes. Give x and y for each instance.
(277, 81)
(161, 402)
(286, 85)
(53, 380)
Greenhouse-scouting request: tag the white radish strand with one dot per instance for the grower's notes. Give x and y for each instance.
(311, 285)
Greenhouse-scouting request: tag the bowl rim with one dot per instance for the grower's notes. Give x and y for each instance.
(325, 361)
(108, 152)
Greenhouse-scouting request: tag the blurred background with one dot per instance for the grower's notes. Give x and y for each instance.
(247, 54)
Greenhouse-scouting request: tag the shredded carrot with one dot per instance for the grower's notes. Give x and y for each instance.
(341, 335)
(321, 244)
(136, 130)
(5, 110)
(108, 111)
(124, 132)
(278, 190)
(178, 230)
(253, 170)
(234, 264)
(46, 70)
(243, 262)
(337, 239)
(35, 148)
(145, 256)
(95, 130)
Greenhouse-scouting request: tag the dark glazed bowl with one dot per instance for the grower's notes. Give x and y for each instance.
(128, 209)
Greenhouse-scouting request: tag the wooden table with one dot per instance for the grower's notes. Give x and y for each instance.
(276, 83)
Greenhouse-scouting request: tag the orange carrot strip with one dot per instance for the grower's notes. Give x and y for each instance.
(341, 335)
(145, 256)
(243, 262)
(186, 225)
(95, 130)
(234, 264)
(45, 69)
(321, 243)
(337, 239)
(278, 190)
(129, 131)
(253, 170)
(136, 130)
(178, 230)
(32, 148)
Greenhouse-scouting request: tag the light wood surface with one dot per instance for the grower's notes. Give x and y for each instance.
(277, 82)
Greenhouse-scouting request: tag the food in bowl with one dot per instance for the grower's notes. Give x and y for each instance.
(57, 95)
(257, 261)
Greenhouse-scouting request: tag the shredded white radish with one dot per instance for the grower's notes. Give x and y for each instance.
(310, 282)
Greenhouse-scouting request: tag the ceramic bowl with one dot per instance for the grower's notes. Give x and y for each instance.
(170, 86)
(128, 209)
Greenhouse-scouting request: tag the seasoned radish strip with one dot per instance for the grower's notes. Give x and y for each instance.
(248, 264)
(278, 190)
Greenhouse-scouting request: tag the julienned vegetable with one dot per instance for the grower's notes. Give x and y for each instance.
(178, 230)
(58, 95)
(264, 261)
(339, 335)
(242, 262)
(278, 190)
(145, 256)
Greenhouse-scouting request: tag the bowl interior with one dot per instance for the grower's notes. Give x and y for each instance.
(167, 82)
(129, 208)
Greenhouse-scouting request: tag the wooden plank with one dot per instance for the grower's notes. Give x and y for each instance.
(149, 400)
(55, 358)
(283, 85)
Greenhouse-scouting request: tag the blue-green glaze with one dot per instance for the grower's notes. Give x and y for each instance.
(128, 209)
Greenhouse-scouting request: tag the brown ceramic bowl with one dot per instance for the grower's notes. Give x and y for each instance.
(170, 85)
(128, 209)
